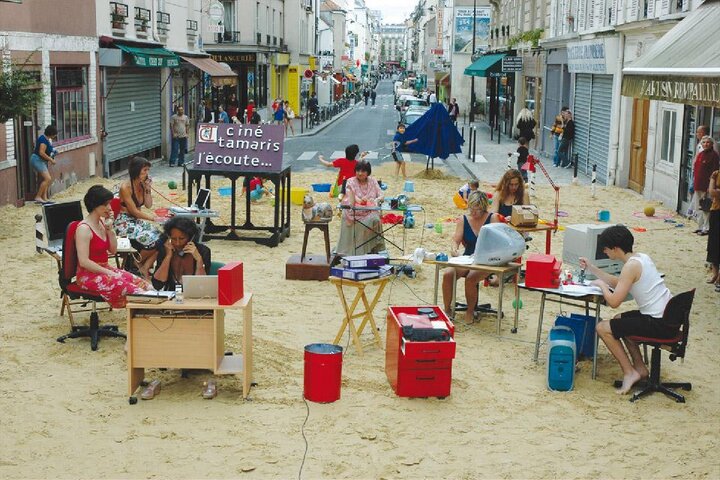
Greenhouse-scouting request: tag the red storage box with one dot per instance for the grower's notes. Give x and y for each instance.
(542, 271)
(230, 283)
(418, 369)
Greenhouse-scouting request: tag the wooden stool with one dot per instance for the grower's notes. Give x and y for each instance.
(350, 310)
(320, 226)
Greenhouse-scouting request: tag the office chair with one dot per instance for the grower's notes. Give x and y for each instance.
(676, 312)
(73, 291)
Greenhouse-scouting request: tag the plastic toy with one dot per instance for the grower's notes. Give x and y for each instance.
(649, 211)
(172, 185)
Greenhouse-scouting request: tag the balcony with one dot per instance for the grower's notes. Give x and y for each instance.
(119, 13)
(191, 29)
(163, 24)
(228, 37)
(142, 21)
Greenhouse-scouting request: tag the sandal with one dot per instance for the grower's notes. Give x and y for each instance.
(209, 390)
(152, 389)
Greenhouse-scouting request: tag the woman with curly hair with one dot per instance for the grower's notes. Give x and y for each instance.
(510, 191)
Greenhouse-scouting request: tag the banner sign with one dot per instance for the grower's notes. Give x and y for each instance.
(593, 56)
(231, 147)
(701, 91)
(464, 29)
(512, 64)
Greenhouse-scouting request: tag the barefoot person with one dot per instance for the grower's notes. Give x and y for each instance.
(639, 277)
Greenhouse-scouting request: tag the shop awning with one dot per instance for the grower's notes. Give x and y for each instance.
(220, 73)
(486, 65)
(684, 65)
(151, 57)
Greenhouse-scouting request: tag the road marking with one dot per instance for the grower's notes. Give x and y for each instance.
(307, 155)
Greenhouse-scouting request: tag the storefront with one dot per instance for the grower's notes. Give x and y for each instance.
(680, 77)
(252, 72)
(591, 63)
(556, 95)
(133, 82)
(533, 76)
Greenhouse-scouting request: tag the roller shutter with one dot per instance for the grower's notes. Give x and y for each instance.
(133, 114)
(591, 111)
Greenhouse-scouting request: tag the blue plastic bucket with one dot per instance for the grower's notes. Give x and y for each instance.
(321, 187)
(603, 215)
(225, 191)
(409, 187)
(323, 372)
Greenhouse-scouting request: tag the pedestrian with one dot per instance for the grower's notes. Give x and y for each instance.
(373, 96)
(566, 139)
(249, 110)
(557, 130)
(222, 115)
(453, 110)
(233, 106)
(180, 127)
(523, 154)
(288, 118)
(206, 111)
(366, 94)
(399, 146)
(44, 154)
(526, 124)
(706, 162)
(313, 107)
(713, 245)
(432, 98)
(278, 112)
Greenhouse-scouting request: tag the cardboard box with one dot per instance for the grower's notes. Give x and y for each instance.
(230, 283)
(524, 216)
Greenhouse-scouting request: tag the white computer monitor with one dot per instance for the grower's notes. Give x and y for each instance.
(582, 241)
(498, 244)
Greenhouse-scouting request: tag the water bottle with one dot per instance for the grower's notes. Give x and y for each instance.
(178, 293)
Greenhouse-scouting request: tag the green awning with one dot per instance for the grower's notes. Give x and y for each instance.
(486, 65)
(151, 57)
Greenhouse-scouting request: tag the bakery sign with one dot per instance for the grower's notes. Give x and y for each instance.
(231, 147)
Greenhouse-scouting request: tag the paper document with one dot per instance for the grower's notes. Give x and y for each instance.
(461, 260)
(581, 289)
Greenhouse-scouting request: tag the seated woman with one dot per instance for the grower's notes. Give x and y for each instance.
(94, 239)
(178, 255)
(466, 234)
(132, 222)
(361, 230)
(510, 191)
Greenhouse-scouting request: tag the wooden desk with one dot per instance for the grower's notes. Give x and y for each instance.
(168, 335)
(367, 314)
(548, 229)
(566, 298)
(503, 272)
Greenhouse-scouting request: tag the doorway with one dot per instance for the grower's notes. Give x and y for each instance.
(638, 145)
(25, 133)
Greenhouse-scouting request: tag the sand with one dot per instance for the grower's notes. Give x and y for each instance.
(65, 412)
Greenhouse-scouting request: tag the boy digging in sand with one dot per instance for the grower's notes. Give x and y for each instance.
(640, 278)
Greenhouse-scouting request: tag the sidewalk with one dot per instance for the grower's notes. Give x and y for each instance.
(491, 159)
(300, 129)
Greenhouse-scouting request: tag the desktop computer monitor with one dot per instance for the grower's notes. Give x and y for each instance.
(497, 244)
(582, 241)
(57, 217)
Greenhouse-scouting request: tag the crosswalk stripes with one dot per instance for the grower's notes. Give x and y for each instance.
(337, 154)
(307, 156)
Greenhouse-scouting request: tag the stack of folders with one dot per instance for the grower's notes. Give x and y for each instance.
(362, 267)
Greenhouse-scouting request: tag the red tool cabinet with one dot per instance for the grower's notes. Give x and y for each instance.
(418, 369)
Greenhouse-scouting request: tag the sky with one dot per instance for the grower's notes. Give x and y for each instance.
(394, 11)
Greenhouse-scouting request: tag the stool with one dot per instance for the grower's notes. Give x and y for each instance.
(349, 310)
(323, 226)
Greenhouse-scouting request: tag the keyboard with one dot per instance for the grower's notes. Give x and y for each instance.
(184, 209)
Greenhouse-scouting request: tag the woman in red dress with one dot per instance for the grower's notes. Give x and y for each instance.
(94, 239)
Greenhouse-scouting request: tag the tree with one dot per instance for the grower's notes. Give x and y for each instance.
(18, 92)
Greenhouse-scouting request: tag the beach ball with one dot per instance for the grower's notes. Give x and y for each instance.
(172, 185)
(649, 211)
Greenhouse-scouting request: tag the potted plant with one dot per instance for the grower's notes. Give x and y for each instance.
(141, 24)
(118, 21)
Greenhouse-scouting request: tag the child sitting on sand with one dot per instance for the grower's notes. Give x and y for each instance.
(257, 188)
(461, 196)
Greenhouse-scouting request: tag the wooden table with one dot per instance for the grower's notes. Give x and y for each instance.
(367, 314)
(186, 335)
(548, 229)
(567, 298)
(503, 272)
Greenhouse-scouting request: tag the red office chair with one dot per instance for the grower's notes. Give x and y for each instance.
(676, 312)
(74, 292)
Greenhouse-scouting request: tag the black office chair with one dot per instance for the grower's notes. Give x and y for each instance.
(677, 311)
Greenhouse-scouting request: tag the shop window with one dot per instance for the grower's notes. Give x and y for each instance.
(667, 139)
(70, 108)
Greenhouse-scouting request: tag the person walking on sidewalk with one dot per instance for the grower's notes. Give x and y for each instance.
(526, 124)
(366, 94)
(453, 110)
(289, 117)
(373, 96)
(179, 126)
(566, 140)
(313, 108)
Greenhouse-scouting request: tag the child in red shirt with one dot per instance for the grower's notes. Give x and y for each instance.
(346, 165)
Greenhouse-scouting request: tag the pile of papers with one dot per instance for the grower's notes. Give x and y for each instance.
(362, 267)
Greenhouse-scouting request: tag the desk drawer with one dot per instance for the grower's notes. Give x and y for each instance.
(173, 342)
(423, 351)
(424, 383)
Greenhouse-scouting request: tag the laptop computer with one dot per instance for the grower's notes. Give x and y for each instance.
(200, 204)
(200, 286)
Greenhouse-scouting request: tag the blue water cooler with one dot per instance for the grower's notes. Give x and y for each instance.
(561, 359)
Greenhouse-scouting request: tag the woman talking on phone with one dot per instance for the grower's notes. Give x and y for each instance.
(94, 239)
(178, 255)
(140, 227)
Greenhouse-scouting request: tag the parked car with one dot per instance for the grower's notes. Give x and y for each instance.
(412, 101)
(412, 114)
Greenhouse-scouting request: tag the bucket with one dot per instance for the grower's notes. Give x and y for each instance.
(603, 215)
(323, 372)
(409, 187)
(297, 194)
(225, 191)
(321, 187)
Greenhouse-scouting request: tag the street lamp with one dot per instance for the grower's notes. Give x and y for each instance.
(472, 59)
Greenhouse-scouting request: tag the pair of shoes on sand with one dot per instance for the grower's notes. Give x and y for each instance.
(209, 390)
(150, 390)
